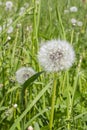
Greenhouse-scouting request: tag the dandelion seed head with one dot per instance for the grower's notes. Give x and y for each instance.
(56, 55)
(30, 128)
(9, 5)
(79, 23)
(8, 38)
(23, 74)
(73, 9)
(15, 105)
(10, 30)
(73, 21)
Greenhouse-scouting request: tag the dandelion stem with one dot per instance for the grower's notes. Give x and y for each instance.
(68, 100)
(53, 102)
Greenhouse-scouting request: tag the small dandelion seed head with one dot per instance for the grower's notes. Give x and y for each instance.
(73, 21)
(73, 9)
(56, 55)
(22, 10)
(0, 29)
(23, 74)
(79, 23)
(30, 128)
(9, 5)
(8, 38)
(10, 30)
(15, 105)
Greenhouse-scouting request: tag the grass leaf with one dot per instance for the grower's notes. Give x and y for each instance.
(30, 106)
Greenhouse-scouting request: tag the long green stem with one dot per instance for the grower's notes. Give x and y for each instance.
(53, 102)
(68, 100)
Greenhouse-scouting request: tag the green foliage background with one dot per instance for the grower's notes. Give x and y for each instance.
(42, 20)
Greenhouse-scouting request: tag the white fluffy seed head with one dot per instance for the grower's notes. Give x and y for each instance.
(22, 10)
(15, 105)
(73, 21)
(23, 74)
(56, 55)
(79, 23)
(73, 9)
(30, 128)
(10, 30)
(9, 5)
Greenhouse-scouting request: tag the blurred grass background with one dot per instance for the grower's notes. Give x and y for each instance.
(32, 22)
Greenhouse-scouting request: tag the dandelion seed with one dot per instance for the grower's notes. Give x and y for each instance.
(73, 9)
(30, 128)
(56, 55)
(24, 73)
(9, 5)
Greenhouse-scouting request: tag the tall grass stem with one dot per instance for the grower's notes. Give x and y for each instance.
(53, 102)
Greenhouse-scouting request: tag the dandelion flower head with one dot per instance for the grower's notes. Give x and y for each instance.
(56, 55)
(23, 74)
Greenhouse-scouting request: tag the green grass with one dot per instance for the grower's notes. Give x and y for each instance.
(41, 22)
